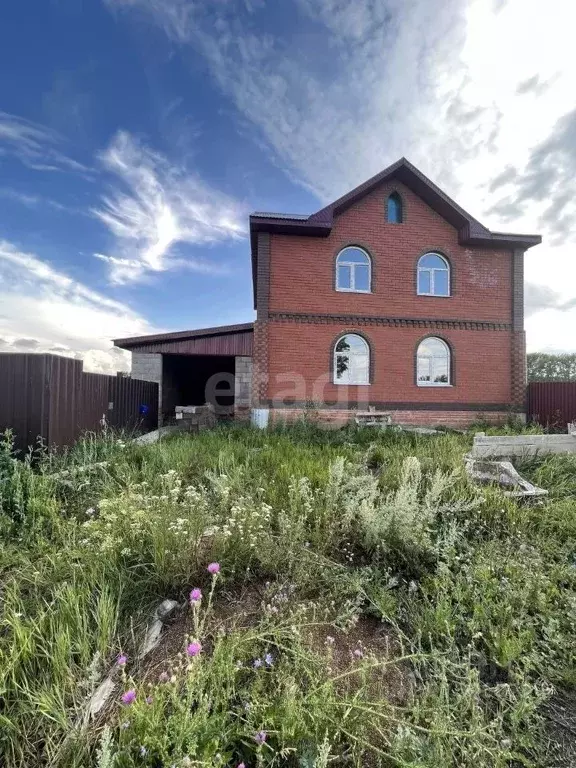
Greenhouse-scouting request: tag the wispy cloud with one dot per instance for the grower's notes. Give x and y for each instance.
(44, 310)
(35, 146)
(449, 83)
(157, 206)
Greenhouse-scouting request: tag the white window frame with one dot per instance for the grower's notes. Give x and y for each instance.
(432, 271)
(352, 265)
(351, 355)
(431, 358)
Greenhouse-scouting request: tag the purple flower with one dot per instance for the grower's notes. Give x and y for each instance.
(359, 653)
(129, 697)
(163, 677)
(214, 568)
(148, 699)
(121, 659)
(240, 765)
(257, 663)
(260, 737)
(195, 596)
(269, 659)
(193, 649)
(143, 751)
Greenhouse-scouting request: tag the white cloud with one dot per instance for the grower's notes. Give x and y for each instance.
(35, 146)
(44, 310)
(155, 207)
(466, 89)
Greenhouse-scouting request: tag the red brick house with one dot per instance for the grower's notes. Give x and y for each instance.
(391, 299)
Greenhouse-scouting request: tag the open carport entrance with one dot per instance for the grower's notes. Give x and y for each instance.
(197, 380)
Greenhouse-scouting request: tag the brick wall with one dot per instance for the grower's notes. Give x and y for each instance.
(302, 315)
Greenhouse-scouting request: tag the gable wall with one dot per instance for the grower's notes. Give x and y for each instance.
(302, 268)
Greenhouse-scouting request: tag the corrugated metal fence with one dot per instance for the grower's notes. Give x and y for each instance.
(51, 397)
(552, 403)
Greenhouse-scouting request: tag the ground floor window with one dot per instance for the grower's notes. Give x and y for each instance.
(433, 363)
(351, 360)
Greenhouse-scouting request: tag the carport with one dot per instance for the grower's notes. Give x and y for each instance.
(206, 365)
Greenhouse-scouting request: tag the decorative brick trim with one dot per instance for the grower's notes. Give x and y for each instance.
(263, 280)
(402, 322)
(363, 406)
(517, 290)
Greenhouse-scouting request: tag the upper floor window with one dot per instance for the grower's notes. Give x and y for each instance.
(433, 363)
(433, 275)
(353, 270)
(394, 209)
(351, 360)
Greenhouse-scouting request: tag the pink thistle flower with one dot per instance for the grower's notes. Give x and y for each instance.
(195, 596)
(260, 738)
(359, 653)
(129, 697)
(148, 700)
(121, 659)
(214, 568)
(163, 677)
(240, 765)
(193, 649)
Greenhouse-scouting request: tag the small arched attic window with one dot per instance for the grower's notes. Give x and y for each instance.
(394, 213)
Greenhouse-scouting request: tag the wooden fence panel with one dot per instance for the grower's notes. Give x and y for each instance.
(552, 403)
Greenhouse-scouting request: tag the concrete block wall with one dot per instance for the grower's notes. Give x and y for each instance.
(243, 387)
(148, 367)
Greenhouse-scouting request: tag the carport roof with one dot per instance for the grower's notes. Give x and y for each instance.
(163, 338)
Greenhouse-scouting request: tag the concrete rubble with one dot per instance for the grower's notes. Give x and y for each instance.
(504, 474)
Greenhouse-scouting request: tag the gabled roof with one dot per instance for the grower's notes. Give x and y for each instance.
(319, 224)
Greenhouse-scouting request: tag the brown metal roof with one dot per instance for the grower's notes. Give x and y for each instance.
(319, 224)
(179, 336)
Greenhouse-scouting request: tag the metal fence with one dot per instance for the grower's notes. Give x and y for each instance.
(51, 397)
(552, 403)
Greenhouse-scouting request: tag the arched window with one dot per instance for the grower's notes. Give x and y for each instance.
(353, 270)
(433, 363)
(433, 275)
(394, 209)
(351, 360)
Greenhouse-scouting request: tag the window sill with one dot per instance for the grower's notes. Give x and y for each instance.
(350, 290)
(435, 295)
(350, 384)
(433, 384)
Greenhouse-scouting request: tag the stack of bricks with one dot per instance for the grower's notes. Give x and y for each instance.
(194, 418)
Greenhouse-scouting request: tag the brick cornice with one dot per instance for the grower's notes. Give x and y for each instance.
(397, 322)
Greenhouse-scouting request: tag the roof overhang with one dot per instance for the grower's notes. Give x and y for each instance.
(162, 339)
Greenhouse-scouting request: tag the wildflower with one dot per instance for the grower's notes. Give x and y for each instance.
(90, 511)
(329, 640)
(260, 737)
(269, 659)
(148, 700)
(359, 653)
(239, 665)
(193, 649)
(126, 724)
(214, 568)
(163, 677)
(195, 596)
(143, 751)
(257, 663)
(121, 659)
(129, 697)
(186, 761)
(240, 765)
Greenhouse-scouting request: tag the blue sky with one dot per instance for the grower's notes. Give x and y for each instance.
(137, 135)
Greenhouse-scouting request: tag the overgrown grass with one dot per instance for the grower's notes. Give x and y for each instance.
(331, 531)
